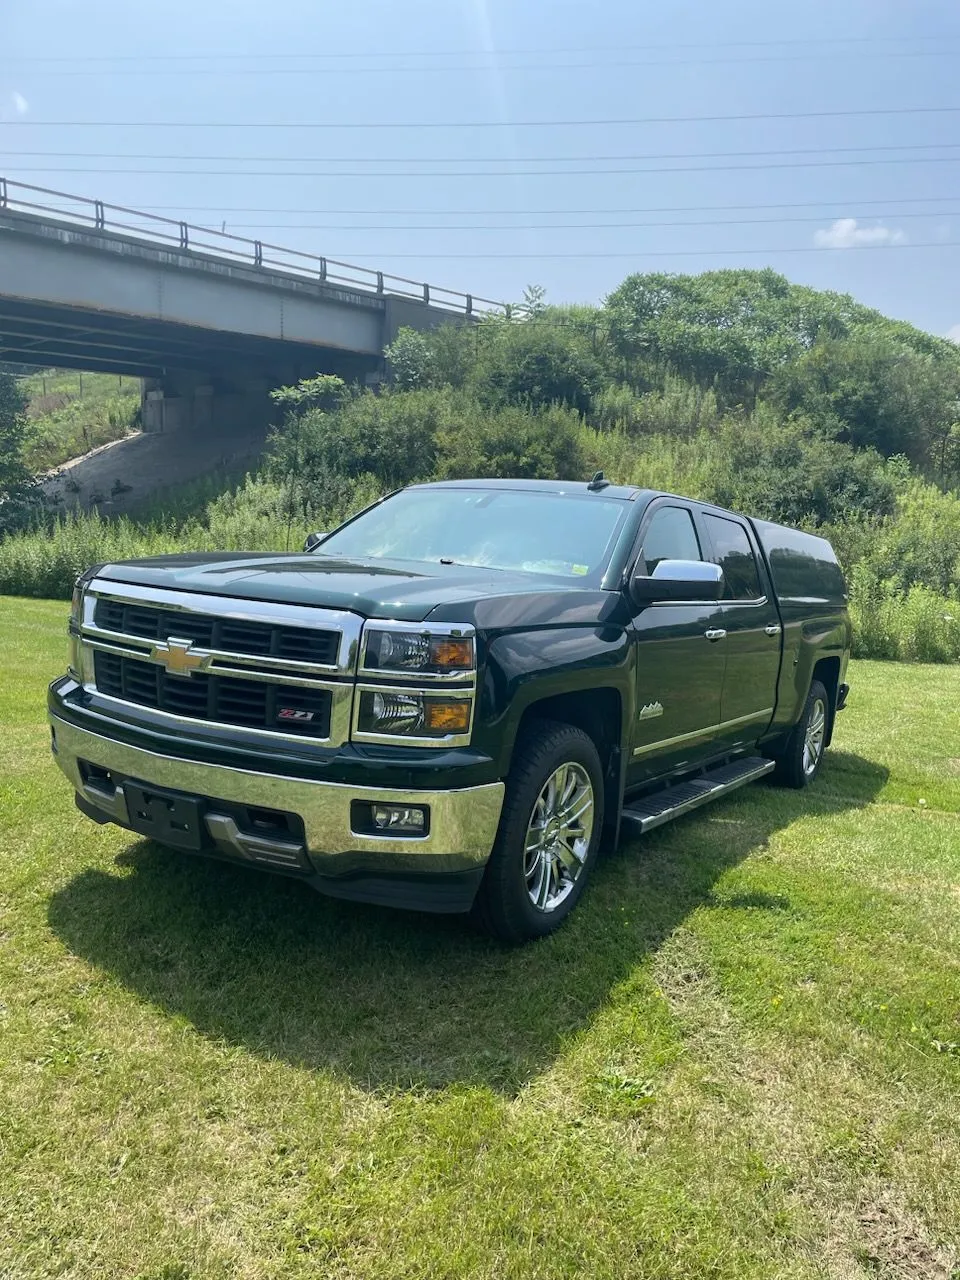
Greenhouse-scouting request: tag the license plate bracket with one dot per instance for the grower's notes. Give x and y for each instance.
(169, 817)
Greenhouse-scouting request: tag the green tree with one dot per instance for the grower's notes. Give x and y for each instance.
(410, 360)
(873, 390)
(19, 493)
(325, 392)
(728, 330)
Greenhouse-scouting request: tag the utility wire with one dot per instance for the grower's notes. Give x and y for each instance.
(831, 41)
(22, 123)
(671, 253)
(465, 159)
(573, 226)
(488, 173)
(257, 68)
(529, 213)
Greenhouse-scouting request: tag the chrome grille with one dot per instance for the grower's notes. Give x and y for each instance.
(280, 669)
(254, 704)
(299, 644)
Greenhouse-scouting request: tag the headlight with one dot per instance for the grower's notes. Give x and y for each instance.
(420, 684)
(417, 652)
(411, 714)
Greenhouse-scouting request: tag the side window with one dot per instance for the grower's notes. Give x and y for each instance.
(670, 536)
(734, 555)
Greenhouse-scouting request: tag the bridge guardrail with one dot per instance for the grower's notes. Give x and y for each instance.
(187, 236)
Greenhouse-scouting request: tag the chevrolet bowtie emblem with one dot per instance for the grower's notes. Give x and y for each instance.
(179, 657)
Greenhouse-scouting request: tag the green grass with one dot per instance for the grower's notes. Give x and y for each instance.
(740, 1059)
(71, 413)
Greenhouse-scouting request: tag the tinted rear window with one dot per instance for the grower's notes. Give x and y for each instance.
(802, 566)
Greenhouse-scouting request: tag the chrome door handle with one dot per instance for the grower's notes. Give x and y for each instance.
(715, 633)
(773, 629)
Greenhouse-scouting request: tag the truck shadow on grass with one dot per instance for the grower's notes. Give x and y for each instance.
(395, 1000)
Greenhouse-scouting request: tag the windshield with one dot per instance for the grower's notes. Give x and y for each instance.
(565, 535)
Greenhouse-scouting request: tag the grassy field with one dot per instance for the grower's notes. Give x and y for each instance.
(740, 1059)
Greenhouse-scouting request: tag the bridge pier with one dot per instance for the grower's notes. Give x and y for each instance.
(196, 402)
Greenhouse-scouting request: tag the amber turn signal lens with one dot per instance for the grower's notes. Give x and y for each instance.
(448, 717)
(452, 653)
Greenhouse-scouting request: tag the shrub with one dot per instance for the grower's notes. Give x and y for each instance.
(535, 363)
(325, 391)
(918, 625)
(46, 562)
(676, 409)
(391, 436)
(17, 492)
(410, 360)
(512, 442)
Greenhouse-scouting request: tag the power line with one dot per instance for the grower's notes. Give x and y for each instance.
(458, 213)
(462, 159)
(487, 173)
(831, 41)
(671, 253)
(573, 226)
(22, 123)
(260, 70)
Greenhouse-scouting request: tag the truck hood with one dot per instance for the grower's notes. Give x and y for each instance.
(404, 590)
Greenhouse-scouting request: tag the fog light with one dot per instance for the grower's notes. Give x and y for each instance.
(396, 817)
(389, 819)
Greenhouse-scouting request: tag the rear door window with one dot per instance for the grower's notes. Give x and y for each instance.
(733, 553)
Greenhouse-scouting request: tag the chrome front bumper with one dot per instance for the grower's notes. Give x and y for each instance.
(463, 823)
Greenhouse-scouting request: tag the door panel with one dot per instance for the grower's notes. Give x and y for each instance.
(753, 653)
(679, 671)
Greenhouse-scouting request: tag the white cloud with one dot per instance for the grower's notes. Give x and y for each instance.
(20, 104)
(954, 333)
(846, 234)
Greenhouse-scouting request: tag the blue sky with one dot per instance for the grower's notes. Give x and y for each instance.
(496, 183)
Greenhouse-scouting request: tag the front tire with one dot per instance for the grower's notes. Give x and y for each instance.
(549, 834)
(802, 757)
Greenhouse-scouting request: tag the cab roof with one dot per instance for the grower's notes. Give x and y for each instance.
(626, 493)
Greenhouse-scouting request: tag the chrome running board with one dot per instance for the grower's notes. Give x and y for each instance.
(654, 810)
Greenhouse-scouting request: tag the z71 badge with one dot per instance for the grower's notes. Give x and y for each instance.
(294, 713)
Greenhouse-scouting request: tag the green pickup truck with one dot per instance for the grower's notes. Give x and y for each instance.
(455, 699)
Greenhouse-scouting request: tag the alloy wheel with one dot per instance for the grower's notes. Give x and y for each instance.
(558, 836)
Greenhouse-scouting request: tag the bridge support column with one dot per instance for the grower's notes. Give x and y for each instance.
(188, 402)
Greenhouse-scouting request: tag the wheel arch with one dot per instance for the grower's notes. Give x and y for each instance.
(598, 712)
(827, 671)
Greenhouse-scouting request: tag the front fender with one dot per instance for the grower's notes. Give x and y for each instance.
(528, 667)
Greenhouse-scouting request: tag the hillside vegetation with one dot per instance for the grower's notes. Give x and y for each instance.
(734, 386)
(70, 413)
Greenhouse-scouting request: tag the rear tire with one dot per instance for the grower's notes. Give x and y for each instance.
(802, 757)
(548, 837)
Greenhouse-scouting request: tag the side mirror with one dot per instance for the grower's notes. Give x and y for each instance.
(678, 580)
(313, 540)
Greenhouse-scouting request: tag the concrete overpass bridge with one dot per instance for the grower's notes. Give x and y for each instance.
(211, 321)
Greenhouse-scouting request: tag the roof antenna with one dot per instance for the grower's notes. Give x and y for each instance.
(598, 482)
